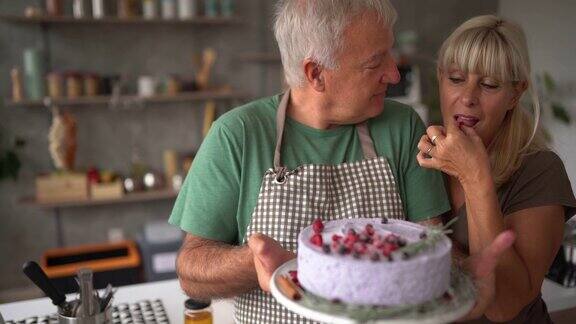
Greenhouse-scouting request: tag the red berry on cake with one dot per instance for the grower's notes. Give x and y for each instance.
(389, 248)
(370, 229)
(317, 226)
(336, 238)
(316, 239)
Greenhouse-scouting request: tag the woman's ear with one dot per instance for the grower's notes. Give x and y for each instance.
(519, 88)
(314, 75)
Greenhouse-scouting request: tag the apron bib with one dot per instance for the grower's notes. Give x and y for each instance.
(290, 200)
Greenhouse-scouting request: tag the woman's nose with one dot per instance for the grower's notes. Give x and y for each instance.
(469, 96)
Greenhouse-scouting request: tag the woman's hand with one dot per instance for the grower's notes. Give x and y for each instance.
(459, 152)
(268, 256)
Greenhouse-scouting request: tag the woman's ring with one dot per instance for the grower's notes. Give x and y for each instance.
(430, 149)
(433, 140)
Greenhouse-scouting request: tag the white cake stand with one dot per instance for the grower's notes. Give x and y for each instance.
(438, 311)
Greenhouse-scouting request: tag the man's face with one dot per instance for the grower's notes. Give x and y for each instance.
(355, 90)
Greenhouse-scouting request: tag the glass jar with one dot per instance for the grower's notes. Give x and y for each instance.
(127, 9)
(54, 7)
(73, 85)
(211, 8)
(55, 81)
(197, 312)
(91, 85)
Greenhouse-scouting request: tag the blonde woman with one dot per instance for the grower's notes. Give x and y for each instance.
(499, 172)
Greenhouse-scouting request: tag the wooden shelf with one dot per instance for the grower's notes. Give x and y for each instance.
(119, 21)
(144, 196)
(158, 99)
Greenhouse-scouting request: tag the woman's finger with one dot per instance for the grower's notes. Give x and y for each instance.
(471, 133)
(435, 133)
(426, 147)
(426, 162)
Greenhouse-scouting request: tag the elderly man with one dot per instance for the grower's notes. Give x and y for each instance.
(329, 147)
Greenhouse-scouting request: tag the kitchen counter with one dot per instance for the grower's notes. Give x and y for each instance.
(168, 291)
(556, 297)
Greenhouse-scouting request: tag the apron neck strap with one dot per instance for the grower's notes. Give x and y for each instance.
(362, 128)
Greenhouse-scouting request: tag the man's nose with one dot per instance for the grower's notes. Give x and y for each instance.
(391, 74)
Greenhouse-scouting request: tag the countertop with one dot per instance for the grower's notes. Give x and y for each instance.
(556, 297)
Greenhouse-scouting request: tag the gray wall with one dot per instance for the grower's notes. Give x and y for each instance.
(105, 137)
(552, 44)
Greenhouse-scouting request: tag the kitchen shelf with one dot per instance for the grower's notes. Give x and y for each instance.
(105, 100)
(53, 20)
(164, 194)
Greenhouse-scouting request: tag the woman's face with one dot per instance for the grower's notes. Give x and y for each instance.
(476, 101)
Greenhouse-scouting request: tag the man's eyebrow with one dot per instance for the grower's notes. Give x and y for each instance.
(374, 57)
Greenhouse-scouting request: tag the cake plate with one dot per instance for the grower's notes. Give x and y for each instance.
(456, 304)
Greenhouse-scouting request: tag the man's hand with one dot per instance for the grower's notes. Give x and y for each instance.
(482, 267)
(268, 256)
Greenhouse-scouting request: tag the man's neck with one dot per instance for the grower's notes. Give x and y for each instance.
(308, 108)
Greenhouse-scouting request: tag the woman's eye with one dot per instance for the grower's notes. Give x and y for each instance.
(456, 79)
(490, 86)
(373, 67)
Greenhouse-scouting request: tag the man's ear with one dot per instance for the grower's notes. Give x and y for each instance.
(518, 89)
(314, 73)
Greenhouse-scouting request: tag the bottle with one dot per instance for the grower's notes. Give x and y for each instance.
(149, 9)
(17, 93)
(197, 312)
(54, 7)
(98, 10)
(227, 8)
(168, 9)
(34, 74)
(186, 9)
(210, 8)
(78, 9)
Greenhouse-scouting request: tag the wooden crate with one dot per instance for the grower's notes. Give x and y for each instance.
(102, 191)
(58, 187)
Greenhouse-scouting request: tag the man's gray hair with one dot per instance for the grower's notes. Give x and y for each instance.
(312, 29)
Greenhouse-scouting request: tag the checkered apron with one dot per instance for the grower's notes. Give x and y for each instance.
(290, 200)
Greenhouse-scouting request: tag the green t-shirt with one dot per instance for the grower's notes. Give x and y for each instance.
(221, 189)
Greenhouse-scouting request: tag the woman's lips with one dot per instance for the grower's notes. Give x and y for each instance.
(468, 121)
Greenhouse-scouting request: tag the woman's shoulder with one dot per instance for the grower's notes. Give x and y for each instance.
(540, 161)
(541, 180)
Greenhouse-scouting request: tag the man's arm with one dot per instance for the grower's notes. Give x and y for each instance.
(210, 269)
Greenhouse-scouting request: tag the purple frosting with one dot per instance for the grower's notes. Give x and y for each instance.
(420, 278)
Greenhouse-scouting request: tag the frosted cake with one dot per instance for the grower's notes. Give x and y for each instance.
(373, 262)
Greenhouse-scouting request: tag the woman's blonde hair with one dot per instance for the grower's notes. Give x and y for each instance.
(491, 46)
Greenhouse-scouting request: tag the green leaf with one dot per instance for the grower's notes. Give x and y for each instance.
(560, 113)
(549, 82)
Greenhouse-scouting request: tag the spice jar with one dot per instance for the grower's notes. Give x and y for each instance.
(197, 312)
(54, 7)
(127, 9)
(55, 81)
(73, 85)
(91, 85)
(173, 86)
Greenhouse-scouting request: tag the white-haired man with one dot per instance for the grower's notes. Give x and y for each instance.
(267, 169)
